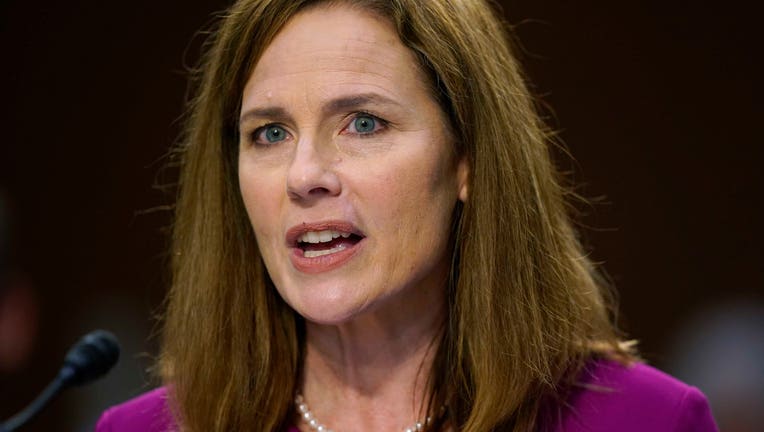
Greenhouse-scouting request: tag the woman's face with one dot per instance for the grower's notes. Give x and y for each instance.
(346, 168)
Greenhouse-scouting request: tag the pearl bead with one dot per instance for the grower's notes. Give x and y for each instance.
(303, 408)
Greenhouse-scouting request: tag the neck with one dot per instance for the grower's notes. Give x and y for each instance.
(371, 373)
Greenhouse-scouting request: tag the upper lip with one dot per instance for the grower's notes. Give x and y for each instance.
(294, 233)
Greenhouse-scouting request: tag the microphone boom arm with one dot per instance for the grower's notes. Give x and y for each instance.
(89, 359)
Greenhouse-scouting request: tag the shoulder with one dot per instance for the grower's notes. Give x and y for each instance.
(611, 396)
(147, 412)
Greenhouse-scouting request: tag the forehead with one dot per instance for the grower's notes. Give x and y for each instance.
(336, 45)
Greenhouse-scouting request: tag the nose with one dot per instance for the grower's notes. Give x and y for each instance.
(311, 175)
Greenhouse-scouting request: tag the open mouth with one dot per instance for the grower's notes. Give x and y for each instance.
(320, 243)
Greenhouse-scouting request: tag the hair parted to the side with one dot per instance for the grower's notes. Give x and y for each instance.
(526, 309)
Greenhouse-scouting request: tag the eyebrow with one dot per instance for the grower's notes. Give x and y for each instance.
(275, 113)
(341, 104)
(345, 103)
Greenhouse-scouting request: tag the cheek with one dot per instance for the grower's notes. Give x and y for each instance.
(413, 202)
(262, 204)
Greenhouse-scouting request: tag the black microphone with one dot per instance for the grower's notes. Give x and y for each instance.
(88, 360)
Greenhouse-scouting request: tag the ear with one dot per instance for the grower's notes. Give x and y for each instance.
(462, 178)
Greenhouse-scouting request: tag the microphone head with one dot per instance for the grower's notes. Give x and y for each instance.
(90, 358)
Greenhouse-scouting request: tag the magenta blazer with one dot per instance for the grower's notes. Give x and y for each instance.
(617, 398)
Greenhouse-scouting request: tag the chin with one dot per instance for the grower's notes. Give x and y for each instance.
(329, 314)
(327, 305)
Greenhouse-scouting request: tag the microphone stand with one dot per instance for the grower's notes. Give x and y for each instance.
(88, 360)
(34, 408)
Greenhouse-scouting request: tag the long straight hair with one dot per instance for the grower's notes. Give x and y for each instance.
(526, 308)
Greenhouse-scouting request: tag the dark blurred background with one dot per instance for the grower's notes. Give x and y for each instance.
(658, 102)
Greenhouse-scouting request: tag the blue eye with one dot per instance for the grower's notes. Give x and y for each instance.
(364, 124)
(274, 134)
(269, 134)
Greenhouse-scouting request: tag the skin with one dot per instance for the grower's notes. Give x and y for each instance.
(304, 158)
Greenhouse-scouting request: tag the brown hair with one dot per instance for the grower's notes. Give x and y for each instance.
(525, 307)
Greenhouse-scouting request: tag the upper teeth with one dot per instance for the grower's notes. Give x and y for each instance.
(321, 236)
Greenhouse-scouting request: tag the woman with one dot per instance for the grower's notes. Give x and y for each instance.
(370, 235)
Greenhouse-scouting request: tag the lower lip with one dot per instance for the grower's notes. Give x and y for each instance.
(323, 263)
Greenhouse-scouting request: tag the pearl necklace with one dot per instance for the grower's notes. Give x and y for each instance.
(317, 426)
